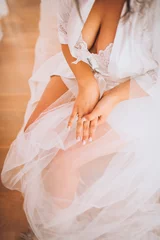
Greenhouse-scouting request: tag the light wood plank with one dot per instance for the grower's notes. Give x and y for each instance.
(20, 29)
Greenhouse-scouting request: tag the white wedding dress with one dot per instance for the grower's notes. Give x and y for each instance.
(108, 189)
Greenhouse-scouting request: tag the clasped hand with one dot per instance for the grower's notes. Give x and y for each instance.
(90, 111)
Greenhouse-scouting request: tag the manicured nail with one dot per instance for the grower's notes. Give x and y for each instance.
(84, 142)
(69, 128)
(78, 139)
(90, 139)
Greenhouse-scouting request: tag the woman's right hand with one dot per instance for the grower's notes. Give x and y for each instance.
(88, 97)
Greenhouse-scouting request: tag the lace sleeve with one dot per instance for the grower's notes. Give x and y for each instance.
(150, 81)
(63, 14)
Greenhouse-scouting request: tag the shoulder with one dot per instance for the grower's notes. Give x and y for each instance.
(64, 8)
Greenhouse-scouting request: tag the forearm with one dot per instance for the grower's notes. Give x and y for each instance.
(81, 70)
(124, 91)
(120, 92)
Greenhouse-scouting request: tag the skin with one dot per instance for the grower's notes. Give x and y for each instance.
(103, 24)
(91, 110)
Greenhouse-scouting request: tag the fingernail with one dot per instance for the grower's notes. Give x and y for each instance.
(69, 128)
(84, 142)
(78, 139)
(90, 139)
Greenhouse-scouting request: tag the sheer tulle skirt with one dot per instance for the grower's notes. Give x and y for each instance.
(107, 189)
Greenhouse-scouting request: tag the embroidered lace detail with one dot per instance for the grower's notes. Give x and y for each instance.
(63, 14)
(62, 27)
(98, 61)
(154, 75)
(81, 44)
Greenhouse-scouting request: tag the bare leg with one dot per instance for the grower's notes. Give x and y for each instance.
(59, 181)
(53, 91)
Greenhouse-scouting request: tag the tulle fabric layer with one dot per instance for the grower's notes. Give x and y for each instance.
(108, 189)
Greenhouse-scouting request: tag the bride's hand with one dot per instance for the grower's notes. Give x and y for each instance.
(85, 102)
(101, 111)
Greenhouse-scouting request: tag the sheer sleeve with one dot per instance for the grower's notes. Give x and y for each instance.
(149, 82)
(63, 14)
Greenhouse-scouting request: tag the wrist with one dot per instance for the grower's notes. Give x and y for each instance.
(120, 92)
(87, 82)
(112, 96)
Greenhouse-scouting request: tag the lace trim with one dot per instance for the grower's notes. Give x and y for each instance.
(154, 75)
(62, 24)
(81, 44)
(98, 61)
(62, 27)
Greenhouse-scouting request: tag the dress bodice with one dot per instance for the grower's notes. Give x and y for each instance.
(134, 52)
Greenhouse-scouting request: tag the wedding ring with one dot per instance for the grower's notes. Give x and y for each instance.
(84, 119)
(80, 118)
(77, 117)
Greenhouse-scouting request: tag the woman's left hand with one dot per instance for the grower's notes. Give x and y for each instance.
(106, 104)
(101, 111)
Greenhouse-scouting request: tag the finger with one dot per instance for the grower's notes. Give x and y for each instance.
(79, 129)
(72, 117)
(94, 114)
(85, 131)
(101, 120)
(92, 129)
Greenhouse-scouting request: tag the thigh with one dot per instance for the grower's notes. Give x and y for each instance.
(54, 89)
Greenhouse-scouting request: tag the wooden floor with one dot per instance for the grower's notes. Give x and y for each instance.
(20, 29)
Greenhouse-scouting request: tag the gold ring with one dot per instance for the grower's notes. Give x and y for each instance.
(77, 116)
